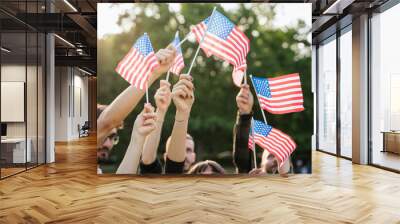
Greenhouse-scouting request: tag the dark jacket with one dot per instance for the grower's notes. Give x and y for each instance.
(242, 156)
(171, 167)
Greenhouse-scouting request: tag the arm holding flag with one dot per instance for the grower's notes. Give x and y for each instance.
(144, 124)
(149, 155)
(183, 98)
(242, 156)
(126, 101)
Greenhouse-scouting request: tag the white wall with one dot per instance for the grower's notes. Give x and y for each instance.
(71, 87)
(33, 126)
(81, 82)
(61, 103)
(16, 73)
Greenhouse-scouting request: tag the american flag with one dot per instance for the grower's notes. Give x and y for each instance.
(280, 95)
(250, 143)
(273, 140)
(179, 64)
(137, 66)
(226, 41)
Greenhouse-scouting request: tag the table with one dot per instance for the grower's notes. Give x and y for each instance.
(391, 141)
(13, 150)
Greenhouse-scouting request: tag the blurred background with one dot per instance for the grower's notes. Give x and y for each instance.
(280, 44)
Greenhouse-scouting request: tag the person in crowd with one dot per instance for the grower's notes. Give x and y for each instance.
(112, 138)
(104, 150)
(207, 167)
(114, 114)
(269, 164)
(144, 124)
(190, 158)
(150, 164)
(242, 156)
(177, 145)
(111, 117)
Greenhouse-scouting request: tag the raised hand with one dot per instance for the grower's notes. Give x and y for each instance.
(145, 121)
(163, 96)
(165, 58)
(244, 100)
(183, 95)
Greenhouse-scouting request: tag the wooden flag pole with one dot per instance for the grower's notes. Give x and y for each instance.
(147, 94)
(201, 41)
(262, 111)
(176, 47)
(254, 144)
(184, 40)
(147, 87)
(194, 58)
(245, 77)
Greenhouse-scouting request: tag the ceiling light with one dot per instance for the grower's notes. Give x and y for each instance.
(84, 71)
(64, 40)
(338, 6)
(70, 5)
(5, 50)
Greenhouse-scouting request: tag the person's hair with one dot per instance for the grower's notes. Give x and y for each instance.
(188, 136)
(275, 168)
(202, 166)
(100, 109)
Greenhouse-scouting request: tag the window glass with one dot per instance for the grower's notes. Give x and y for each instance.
(385, 92)
(327, 96)
(345, 94)
(15, 150)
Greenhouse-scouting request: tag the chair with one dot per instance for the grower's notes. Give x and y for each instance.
(84, 130)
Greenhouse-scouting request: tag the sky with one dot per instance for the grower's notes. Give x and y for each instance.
(287, 14)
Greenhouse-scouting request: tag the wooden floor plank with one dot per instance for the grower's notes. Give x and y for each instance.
(70, 191)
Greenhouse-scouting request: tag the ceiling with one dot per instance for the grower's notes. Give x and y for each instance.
(333, 14)
(75, 22)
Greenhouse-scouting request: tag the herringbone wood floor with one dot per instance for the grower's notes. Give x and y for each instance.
(69, 191)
